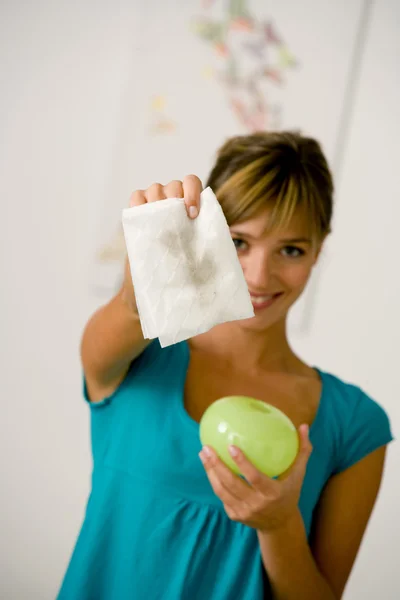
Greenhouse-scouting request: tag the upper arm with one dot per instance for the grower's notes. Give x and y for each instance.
(342, 515)
(96, 392)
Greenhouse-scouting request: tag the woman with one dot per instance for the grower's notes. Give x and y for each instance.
(162, 524)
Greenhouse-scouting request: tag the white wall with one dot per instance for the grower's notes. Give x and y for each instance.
(356, 328)
(64, 70)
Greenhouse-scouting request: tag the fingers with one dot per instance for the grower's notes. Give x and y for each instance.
(174, 189)
(137, 198)
(192, 188)
(189, 189)
(256, 479)
(226, 485)
(155, 193)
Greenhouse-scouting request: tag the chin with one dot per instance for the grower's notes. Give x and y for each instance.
(266, 318)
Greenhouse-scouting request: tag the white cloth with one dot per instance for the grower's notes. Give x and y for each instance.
(186, 273)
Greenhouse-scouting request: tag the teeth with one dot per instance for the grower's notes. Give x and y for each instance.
(260, 299)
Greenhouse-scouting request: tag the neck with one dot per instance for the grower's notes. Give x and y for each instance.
(248, 349)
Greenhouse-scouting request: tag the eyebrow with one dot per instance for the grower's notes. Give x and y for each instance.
(302, 240)
(299, 240)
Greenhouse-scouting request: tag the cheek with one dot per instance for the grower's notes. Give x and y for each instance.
(296, 276)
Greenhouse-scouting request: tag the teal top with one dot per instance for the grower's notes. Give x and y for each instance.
(154, 529)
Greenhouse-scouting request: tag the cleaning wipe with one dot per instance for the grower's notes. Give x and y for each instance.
(186, 272)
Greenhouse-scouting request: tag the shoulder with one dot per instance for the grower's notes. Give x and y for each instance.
(347, 400)
(360, 423)
(154, 364)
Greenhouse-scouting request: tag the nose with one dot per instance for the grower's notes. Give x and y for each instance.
(259, 271)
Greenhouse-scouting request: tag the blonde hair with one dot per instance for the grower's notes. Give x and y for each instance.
(282, 170)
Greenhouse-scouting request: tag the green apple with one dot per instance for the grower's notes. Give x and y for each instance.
(265, 434)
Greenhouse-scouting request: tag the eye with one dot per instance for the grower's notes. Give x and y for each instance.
(240, 244)
(292, 252)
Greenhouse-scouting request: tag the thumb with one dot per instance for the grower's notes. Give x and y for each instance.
(296, 472)
(300, 464)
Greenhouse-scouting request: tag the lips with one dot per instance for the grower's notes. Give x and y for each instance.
(263, 301)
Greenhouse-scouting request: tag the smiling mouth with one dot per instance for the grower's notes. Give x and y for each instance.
(260, 302)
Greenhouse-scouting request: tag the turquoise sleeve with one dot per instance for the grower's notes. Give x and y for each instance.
(367, 429)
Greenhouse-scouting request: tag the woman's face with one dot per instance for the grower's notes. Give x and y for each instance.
(276, 264)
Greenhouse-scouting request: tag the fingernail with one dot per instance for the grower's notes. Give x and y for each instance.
(202, 457)
(193, 212)
(233, 451)
(207, 452)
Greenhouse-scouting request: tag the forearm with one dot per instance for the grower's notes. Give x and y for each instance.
(112, 339)
(290, 565)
